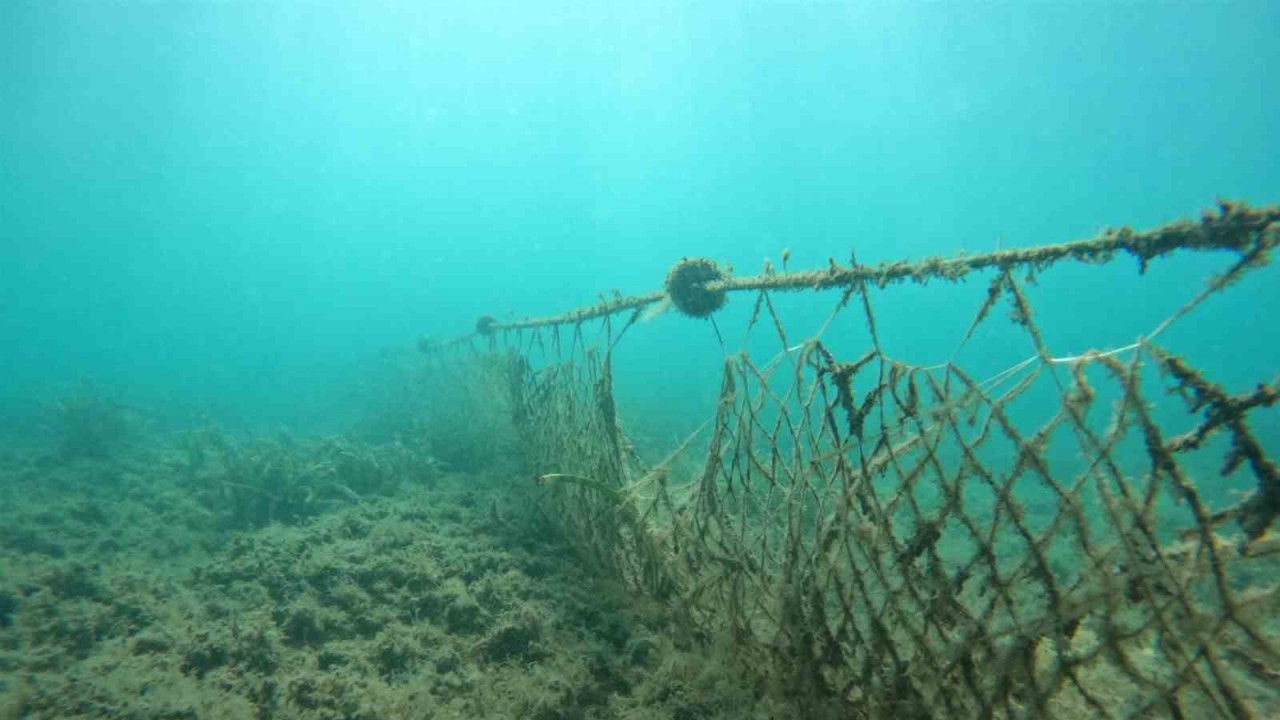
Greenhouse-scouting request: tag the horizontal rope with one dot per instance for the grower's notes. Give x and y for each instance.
(1233, 226)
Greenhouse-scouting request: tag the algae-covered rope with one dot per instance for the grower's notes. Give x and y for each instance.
(697, 287)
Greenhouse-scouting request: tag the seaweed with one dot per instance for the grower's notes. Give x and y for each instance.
(256, 482)
(90, 423)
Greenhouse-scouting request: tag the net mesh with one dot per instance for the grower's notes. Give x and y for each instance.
(884, 540)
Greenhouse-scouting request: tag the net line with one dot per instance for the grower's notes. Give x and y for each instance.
(879, 539)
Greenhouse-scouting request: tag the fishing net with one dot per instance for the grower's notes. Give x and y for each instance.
(1084, 536)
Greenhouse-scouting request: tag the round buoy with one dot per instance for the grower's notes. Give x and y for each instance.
(485, 324)
(687, 287)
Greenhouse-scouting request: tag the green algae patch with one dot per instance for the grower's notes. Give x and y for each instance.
(446, 602)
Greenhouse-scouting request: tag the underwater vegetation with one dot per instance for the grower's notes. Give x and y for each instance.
(463, 423)
(256, 482)
(89, 423)
(157, 584)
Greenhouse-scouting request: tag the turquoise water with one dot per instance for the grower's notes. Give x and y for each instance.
(220, 216)
(230, 207)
